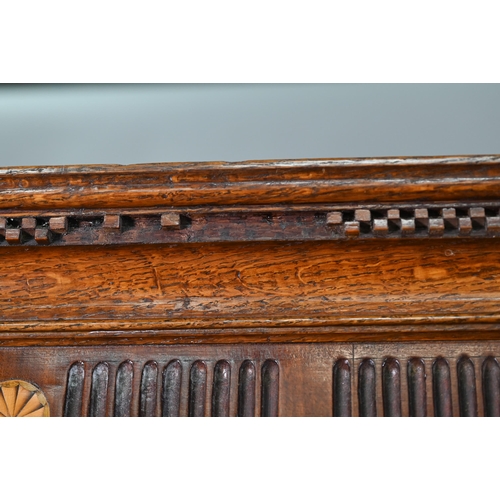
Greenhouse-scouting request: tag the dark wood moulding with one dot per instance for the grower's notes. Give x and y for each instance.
(251, 183)
(293, 200)
(318, 223)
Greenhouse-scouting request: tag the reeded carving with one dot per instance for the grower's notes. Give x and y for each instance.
(367, 389)
(467, 393)
(383, 384)
(171, 389)
(441, 388)
(221, 389)
(391, 387)
(149, 390)
(270, 389)
(246, 389)
(443, 400)
(22, 399)
(417, 391)
(197, 389)
(99, 391)
(74, 390)
(491, 387)
(124, 389)
(342, 405)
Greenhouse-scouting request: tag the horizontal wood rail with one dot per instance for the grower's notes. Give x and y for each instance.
(381, 180)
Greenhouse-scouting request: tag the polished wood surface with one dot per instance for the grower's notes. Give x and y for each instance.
(206, 289)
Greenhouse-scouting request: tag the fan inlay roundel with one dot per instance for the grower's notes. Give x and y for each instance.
(22, 399)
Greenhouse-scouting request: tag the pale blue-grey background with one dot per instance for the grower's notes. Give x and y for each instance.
(74, 124)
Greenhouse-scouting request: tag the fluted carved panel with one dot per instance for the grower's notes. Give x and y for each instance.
(162, 397)
(321, 379)
(418, 386)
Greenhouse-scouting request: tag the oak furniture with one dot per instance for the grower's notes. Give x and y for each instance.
(275, 288)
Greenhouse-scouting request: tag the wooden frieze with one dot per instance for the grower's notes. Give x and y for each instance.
(323, 287)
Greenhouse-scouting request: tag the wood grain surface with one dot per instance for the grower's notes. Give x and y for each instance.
(220, 292)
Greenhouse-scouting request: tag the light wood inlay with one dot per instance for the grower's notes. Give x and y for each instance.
(22, 399)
